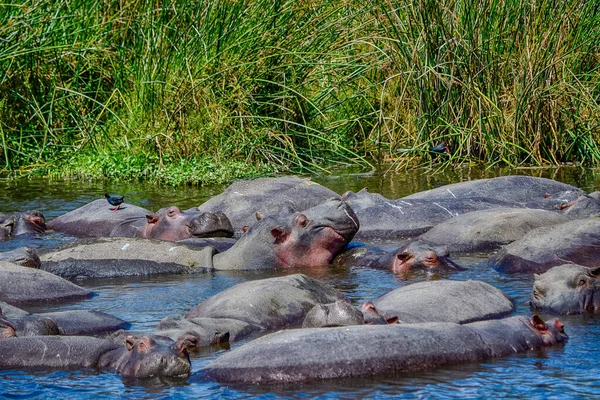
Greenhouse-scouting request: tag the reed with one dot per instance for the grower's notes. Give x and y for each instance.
(208, 91)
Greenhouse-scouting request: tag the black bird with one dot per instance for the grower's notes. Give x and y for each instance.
(440, 148)
(114, 200)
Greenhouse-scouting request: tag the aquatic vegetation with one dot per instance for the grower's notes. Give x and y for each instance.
(168, 91)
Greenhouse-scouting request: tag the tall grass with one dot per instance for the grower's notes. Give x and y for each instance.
(203, 91)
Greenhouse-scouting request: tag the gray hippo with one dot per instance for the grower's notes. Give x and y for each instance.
(412, 256)
(22, 285)
(342, 313)
(7, 329)
(307, 239)
(23, 256)
(139, 357)
(445, 301)
(173, 224)
(22, 223)
(241, 200)
(513, 189)
(301, 355)
(567, 289)
(487, 230)
(576, 241)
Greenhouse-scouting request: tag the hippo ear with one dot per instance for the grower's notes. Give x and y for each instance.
(130, 342)
(186, 341)
(369, 307)
(594, 272)
(245, 229)
(301, 220)
(346, 195)
(536, 277)
(538, 324)
(151, 219)
(259, 215)
(279, 234)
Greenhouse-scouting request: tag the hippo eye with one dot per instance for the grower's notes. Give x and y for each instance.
(403, 256)
(581, 282)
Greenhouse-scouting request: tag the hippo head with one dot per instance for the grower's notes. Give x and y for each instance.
(567, 289)
(6, 328)
(339, 313)
(420, 254)
(24, 256)
(173, 224)
(371, 315)
(551, 332)
(146, 358)
(302, 239)
(27, 223)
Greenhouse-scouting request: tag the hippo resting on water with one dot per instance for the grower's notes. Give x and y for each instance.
(22, 223)
(139, 357)
(322, 353)
(307, 239)
(567, 289)
(97, 220)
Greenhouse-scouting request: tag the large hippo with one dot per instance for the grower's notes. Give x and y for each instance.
(22, 285)
(307, 239)
(322, 353)
(486, 230)
(23, 256)
(139, 357)
(512, 189)
(412, 256)
(567, 289)
(445, 301)
(241, 200)
(576, 241)
(173, 224)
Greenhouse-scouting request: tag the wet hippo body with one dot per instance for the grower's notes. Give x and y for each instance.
(342, 313)
(306, 354)
(22, 285)
(576, 241)
(487, 230)
(268, 304)
(23, 256)
(140, 358)
(407, 218)
(445, 301)
(22, 223)
(173, 224)
(412, 256)
(567, 289)
(208, 331)
(96, 219)
(241, 200)
(512, 189)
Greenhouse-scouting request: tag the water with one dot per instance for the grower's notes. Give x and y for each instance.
(569, 371)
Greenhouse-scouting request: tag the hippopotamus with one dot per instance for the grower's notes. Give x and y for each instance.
(308, 239)
(512, 189)
(300, 355)
(7, 329)
(173, 224)
(23, 256)
(22, 223)
(342, 313)
(445, 301)
(412, 256)
(567, 289)
(241, 200)
(582, 207)
(576, 241)
(409, 218)
(487, 230)
(139, 357)
(22, 285)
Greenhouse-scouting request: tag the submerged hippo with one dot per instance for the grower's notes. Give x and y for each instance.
(139, 358)
(23, 256)
(21, 285)
(489, 229)
(342, 313)
(241, 200)
(307, 239)
(412, 256)
(173, 224)
(322, 353)
(576, 241)
(567, 289)
(22, 223)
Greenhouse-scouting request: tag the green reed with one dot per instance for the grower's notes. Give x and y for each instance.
(208, 91)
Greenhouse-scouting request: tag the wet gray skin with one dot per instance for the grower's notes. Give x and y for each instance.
(22, 223)
(342, 313)
(139, 357)
(567, 289)
(23, 256)
(7, 329)
(412, 256)
(301, 355)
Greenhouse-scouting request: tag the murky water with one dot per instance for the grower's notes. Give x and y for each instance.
(569, 371)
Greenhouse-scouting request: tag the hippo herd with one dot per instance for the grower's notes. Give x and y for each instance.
(308, 329)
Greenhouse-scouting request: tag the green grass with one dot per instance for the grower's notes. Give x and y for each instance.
(210, 91)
